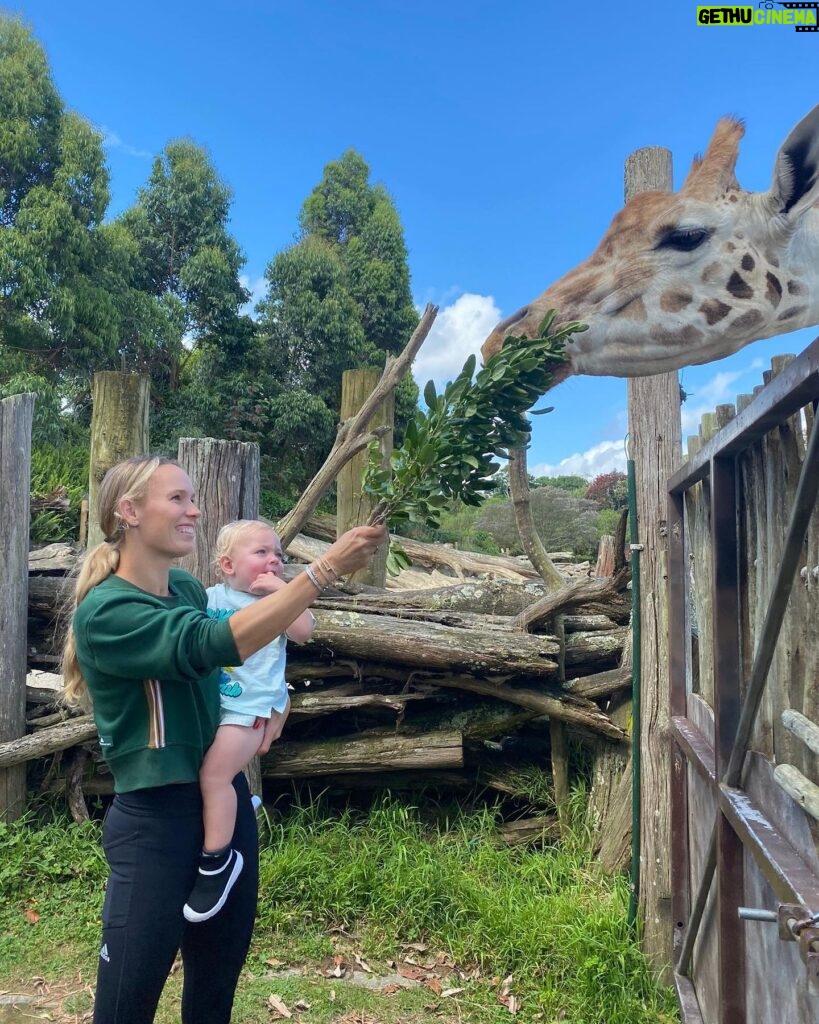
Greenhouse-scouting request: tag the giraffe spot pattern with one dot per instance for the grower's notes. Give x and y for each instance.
(634, 310)
(713, 310)
(773, 293)
(748, 262)
(795, 288)
(688, 335)
(710, 272)
(673, 302)
(739, 287)
(789, 314)
(748, 320)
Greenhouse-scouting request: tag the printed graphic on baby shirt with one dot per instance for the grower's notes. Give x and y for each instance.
(229, 687)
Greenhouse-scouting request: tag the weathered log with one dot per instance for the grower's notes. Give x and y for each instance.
(16, 417)
(429, 645)
(372, 752)
(555, 705)
(806, 730)
(119, 429)
(601, 684)
(529, 830)
(799, 788)
(73, 785)
(590, 649)
(53, 558)
(311, 704)
(48, 741)
(431, 556)
(572, 596)
(485, 596)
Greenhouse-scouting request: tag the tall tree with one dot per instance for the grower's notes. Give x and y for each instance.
(55, 313)
(338, 299)
(187, 261)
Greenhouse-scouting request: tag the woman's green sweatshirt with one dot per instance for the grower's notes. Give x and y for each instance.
(152, 669)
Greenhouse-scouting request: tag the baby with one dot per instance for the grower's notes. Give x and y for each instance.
(254, 698)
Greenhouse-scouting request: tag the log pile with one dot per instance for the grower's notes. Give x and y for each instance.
(447, 685)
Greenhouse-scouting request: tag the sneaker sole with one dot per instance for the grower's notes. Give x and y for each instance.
(195, 916)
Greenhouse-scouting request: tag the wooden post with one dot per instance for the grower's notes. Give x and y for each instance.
(16, 415)
(557, 733)
(225, 477)
(119, 429)
(655, 443)
(353, 507)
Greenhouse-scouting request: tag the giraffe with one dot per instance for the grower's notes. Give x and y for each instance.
(687, 277)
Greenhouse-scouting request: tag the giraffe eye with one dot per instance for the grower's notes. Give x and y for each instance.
(684, 239)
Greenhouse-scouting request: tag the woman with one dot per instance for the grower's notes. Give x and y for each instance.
(143, 650)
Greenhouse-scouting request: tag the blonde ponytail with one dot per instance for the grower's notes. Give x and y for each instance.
(126, 480)
(97, 566)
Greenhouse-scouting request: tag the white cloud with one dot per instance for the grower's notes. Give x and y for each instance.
(719, 389)
(459, 330)
(601, 458)
(257, 286)
(111, 140)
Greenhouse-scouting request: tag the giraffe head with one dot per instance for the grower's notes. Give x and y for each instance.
(687, 277)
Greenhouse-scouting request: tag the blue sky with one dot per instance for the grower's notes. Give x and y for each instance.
(500, 129)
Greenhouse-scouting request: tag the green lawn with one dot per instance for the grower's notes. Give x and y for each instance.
(353, 904)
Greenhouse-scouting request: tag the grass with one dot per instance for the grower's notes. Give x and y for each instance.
(430, 894)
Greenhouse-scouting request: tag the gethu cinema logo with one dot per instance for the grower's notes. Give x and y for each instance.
(803, 16)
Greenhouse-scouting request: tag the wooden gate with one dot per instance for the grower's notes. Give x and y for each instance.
(744, 670)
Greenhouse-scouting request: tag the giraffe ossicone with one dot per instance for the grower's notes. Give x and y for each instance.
(686, 277)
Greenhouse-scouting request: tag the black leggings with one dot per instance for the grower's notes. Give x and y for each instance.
(152, 839)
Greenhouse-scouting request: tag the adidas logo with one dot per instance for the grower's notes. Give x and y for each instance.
(104, 953)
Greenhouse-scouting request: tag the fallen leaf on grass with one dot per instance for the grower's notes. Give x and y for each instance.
(434, 984)
(411, 971)
(451, 992)
(301, 1005)
(32, 916)
(273, 962)
(278, 1007)
(363, 964)
(419, 947)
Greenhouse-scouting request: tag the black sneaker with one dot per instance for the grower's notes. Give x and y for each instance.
(212, 888)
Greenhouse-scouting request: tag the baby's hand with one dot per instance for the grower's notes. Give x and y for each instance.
(267, 583)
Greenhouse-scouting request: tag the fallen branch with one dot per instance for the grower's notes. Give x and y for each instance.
(574, 710)
(572, 596)
(353, 435)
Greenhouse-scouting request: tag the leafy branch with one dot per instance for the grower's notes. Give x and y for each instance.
(449, 451)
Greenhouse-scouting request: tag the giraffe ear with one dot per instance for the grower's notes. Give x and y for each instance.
(795, 186)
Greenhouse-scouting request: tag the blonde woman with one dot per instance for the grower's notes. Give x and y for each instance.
(145, 654)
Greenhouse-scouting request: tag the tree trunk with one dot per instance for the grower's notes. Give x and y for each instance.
(428, 646)
(119, 429)
(372, 752)
(532, 544)
(225, 476)
(654, 433)
(47, 741)
(354, 507)
(16, 416)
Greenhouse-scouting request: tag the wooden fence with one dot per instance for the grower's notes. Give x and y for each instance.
(744, 666)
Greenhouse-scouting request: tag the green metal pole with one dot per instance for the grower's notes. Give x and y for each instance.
(635, 696)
